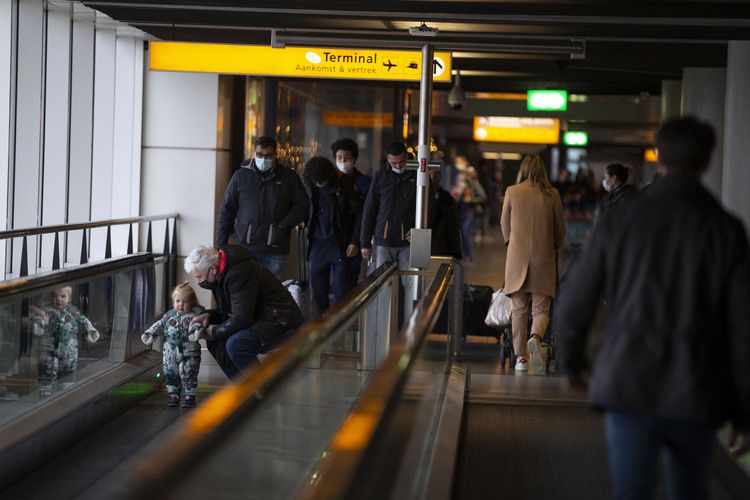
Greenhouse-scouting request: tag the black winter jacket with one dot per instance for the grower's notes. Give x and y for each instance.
(248, 295)
(674, 270)
(390, 208)
(346, 203)
(260, 209)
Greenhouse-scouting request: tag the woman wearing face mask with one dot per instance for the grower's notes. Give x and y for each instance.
(615, 183)
(333, 229)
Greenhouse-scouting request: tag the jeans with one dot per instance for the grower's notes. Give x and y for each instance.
(325, 258)
(243, 348)
(274, 262)
(634, 442)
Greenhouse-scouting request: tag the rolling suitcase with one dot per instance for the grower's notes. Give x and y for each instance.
(300, 288)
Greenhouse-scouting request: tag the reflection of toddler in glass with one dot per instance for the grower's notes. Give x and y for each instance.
(58, 352)
(182, 353)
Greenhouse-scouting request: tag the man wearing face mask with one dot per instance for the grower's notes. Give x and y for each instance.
(390, 210)
(254, 312)
(345, 153)
(334, 228)
(262, 203)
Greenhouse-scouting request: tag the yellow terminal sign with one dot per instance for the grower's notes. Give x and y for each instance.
(517, 129)
(296, 61)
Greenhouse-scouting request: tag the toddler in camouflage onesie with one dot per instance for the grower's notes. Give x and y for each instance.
(58, 346)
(181, 351)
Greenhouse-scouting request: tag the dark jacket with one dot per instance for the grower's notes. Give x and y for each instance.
(674, 270)
(446, 230)
(248, 295)
(623, 193)
(390, 208)
(361, 180)
(260, 210)
(345, 202)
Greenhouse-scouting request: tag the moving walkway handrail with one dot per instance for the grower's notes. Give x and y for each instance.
(210, 423)
(348, 449)
(39, 282)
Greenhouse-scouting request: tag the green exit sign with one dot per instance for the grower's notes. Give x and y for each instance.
(547, 100)
(575, 138)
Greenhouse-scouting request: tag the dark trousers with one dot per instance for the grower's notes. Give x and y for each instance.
(325, 258)
(635, 441)
(243, 348)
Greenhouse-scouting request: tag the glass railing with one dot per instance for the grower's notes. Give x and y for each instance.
(60, 329)
(269, 435)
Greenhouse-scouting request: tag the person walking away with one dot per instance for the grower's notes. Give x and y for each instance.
(673, 362)
(533, 228)
(262, 203)
(446, 231)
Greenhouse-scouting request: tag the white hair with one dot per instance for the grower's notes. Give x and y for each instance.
(201, 259)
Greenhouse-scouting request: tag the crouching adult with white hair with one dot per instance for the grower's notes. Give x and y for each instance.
(245, 322)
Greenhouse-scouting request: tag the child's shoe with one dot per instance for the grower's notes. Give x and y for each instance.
(188, 402)
(174, 399)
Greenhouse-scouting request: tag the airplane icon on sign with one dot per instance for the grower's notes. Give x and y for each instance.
(389, 65)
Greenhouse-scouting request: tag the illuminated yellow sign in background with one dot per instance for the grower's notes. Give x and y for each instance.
(515, 129)
(358, 119)
(296, 61)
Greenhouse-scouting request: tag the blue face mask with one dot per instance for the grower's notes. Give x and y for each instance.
(399, 170)
(263, 164)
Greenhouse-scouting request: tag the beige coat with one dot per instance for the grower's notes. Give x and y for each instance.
(533, 228)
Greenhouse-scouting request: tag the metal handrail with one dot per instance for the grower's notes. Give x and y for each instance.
(42, 281)
(58, 228)
(169, 249)
(206, 427)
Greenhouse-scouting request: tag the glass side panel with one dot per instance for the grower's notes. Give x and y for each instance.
(281, 442)
(53, 340)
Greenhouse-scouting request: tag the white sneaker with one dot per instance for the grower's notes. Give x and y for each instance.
(535, 355)
(521, 364)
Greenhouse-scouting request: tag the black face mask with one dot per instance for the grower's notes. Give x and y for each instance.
(208, 285)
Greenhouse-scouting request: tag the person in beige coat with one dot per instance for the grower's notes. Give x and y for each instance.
(533, 228)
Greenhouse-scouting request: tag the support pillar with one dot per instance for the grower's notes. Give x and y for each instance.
(703, 96)
(736, 175)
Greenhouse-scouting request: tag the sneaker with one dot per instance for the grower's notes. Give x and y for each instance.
(535, 355)
(6, 395)
(188, 402)
(521, 364)
(174, 399)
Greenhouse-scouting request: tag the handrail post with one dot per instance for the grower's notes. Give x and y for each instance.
(149, 246)
(130, 239)
(24, 271)
(84, 253)
(56, 253)
(108, 244)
